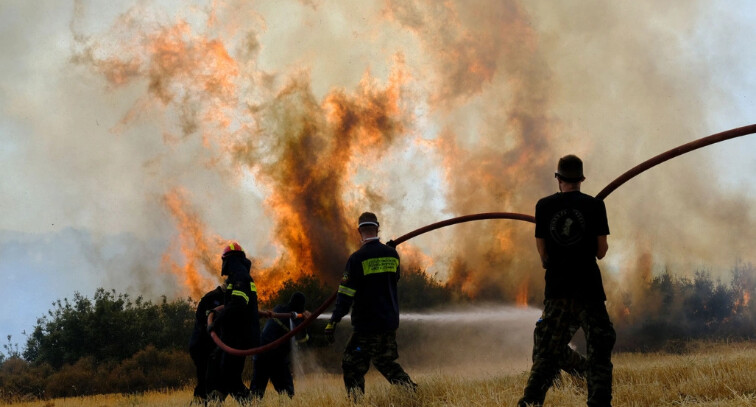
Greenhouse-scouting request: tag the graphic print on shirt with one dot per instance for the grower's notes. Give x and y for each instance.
(567, 227)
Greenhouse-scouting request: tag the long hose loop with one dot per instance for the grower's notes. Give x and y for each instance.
(633, 172)
(677, 151)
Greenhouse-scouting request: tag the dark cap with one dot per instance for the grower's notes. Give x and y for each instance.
(367, 219)
(570, 169)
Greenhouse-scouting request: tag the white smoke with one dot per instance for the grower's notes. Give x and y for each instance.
(615, 83)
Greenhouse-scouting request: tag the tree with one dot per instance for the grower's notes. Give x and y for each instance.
(418, 290)
(111, 327)
(11, 349)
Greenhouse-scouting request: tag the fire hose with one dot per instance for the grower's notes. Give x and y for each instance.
(332, 298)
(633, 172)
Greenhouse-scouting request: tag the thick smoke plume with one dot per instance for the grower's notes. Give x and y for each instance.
(418, 111)
(304, 152)
(490, 67)
(193, 244)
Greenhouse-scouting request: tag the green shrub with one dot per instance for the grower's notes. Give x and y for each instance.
(117, 325)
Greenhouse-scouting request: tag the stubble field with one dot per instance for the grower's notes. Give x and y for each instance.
(703, 374)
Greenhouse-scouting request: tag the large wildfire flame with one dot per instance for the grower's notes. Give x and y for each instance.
(199, 251)
(303, 151)
(458, 105)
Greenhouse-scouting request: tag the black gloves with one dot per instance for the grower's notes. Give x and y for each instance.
(391, 243)
(329, 330)
(215, 319)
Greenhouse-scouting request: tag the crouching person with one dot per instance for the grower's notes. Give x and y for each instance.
(275, 364)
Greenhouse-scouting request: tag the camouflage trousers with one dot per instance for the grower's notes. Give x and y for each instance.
(568, 359)
(553, 332)
(381, 349)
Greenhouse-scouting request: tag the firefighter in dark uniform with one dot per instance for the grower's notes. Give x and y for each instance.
(369, 288)
(571, 233)
(275, 364)
(239, 326)
(201, 345)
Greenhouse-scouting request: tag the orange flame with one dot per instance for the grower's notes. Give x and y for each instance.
(308, 178)
(312, 223)
(200, 266)
(200, 251)
(521, 299)
(312, 149)
(741, 303)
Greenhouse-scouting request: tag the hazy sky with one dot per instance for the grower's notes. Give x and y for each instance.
(112, 110)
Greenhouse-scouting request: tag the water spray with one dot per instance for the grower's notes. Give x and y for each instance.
(633, 172)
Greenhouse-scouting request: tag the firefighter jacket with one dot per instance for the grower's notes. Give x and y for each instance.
(241, 321)
(369, 287)
(200, 343)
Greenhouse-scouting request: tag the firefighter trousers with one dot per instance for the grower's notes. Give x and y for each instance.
(381, 349)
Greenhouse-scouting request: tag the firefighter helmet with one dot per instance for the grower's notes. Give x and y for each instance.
(232, 247)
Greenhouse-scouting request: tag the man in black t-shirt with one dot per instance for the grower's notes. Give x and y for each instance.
(369, 288)
(571, 233)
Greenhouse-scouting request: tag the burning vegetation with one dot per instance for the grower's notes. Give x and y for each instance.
(276, 123)
(677, 308)
(455, 110)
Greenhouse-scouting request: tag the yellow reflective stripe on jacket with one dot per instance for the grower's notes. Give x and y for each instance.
(347, 291)
(305, 339)
(380, 265)
(252, 287)
(241, 294)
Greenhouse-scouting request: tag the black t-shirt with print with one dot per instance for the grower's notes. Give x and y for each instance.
(570, 223)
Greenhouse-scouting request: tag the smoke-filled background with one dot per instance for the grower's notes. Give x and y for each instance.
(138, 137)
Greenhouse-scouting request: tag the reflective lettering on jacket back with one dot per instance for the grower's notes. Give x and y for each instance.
(380, 265)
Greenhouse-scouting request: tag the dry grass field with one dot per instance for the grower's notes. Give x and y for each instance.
(702, 374)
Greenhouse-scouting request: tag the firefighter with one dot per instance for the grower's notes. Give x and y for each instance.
(275, 364)
(239, 325)
(201, 345)
(571, 233)
(369, 288)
